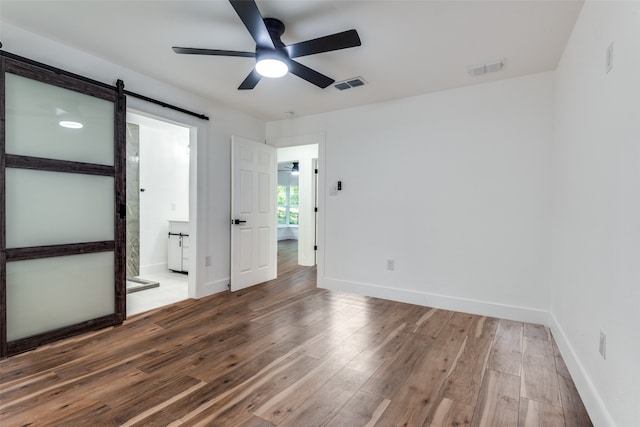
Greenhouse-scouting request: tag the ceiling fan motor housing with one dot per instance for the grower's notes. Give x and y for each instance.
(264, 53)
(276, 30)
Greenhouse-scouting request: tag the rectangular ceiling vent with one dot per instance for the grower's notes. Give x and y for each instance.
(489, 67)
(349, 83)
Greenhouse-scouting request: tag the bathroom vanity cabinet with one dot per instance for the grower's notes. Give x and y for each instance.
(178, 249)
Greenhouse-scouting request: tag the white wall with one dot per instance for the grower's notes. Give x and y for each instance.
(164, 175)
(210, 147)
(454, 186)
(304, 155)
(596, 257)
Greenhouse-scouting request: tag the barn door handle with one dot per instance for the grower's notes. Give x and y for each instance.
(237, 221)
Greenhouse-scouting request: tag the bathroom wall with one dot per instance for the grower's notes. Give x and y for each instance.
(133, 200)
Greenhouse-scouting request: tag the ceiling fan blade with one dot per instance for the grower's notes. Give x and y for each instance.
(343, 40)
(248, 12)
(308, 74)
(197, 51)
(251, 81)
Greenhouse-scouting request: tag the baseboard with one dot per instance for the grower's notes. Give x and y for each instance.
(213, 288)
(483, 308)
(594, 404)
(153, 268)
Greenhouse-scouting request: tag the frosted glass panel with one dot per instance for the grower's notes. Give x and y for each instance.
(34, 111)
(52, 208)
(51, 293)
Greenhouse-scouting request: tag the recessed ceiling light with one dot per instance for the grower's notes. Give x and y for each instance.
(70, 124)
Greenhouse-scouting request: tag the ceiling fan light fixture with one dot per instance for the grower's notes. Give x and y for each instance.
(273, 68)
(270, 64)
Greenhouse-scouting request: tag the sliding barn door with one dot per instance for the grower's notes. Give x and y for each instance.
(62, 175)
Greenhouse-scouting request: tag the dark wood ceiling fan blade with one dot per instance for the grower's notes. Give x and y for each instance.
(308, 74)
(248, 12)
(343, 40)
(251, 81)
(217, 52)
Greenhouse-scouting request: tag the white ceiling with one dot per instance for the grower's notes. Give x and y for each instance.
(408, 47)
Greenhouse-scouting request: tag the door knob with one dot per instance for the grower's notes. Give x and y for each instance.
(237, 221)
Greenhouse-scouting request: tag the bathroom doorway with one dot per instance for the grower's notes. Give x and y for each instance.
(158, 163)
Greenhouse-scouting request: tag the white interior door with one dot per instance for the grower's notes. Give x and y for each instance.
(253, 213)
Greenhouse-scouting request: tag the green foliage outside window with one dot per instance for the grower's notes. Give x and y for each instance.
(282, 195)
(288, 200)
(294, 194)
(293, 216)
(282, 215)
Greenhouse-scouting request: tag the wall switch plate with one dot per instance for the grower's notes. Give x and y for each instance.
(207, 261)
(391, 264)
(609, 60)
(602, 348)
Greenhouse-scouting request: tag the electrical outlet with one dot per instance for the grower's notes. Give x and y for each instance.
(391, 264)
(602, 348)
(207, 261)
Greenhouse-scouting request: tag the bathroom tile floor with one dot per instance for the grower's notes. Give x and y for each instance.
(173, 288)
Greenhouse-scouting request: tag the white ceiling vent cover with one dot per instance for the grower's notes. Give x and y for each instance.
(489, 67)
(349, 83)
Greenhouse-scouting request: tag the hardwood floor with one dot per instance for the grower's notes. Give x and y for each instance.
(286, 353)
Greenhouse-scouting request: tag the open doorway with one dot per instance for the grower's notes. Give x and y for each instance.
(288, 209)
(158, 163)
(297, 183)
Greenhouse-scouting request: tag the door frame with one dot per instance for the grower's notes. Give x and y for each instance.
(144, 112)
(41, 72)
(308, 139)
(196, 131)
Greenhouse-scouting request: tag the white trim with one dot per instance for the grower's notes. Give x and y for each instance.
(483, 308)
(153, 268)
(592, 400)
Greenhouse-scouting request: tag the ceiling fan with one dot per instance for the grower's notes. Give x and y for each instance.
(293, 168)
(273, 57)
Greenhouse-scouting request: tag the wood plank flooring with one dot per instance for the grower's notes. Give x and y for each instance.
(288, 354)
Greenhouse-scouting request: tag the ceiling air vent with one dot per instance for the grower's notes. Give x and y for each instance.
(349, 83)
(489, 67)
